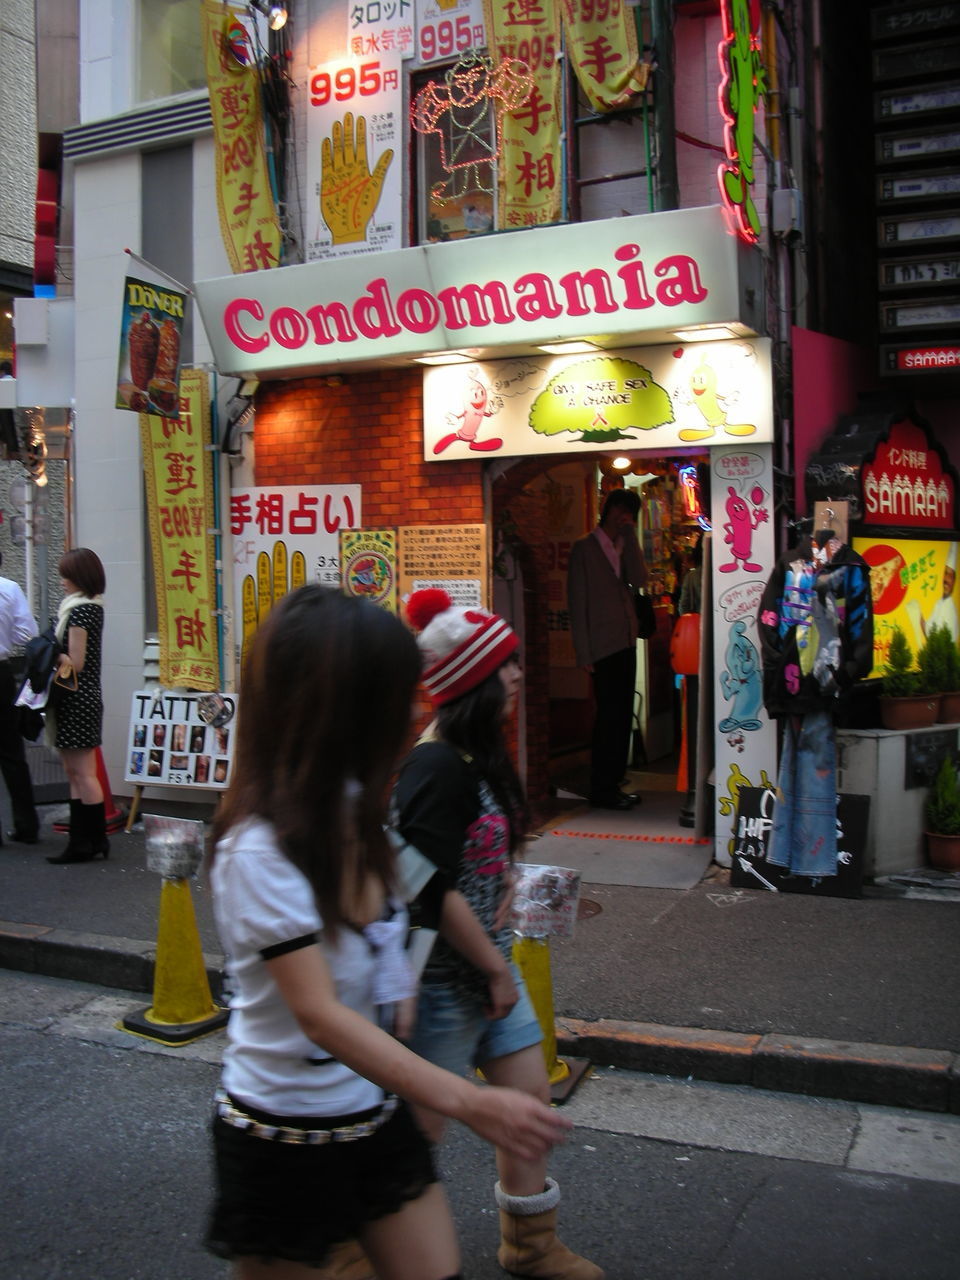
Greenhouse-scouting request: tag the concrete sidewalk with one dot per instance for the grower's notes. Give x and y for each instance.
(854, 999)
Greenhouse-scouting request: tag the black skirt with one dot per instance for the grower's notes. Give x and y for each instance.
(294, 1201)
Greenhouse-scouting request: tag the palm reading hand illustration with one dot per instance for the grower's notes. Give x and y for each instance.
(349, 192)
(275, 576)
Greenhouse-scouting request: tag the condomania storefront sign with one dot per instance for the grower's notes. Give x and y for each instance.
(610, 280)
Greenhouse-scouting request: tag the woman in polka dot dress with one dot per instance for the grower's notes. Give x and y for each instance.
(74, 724)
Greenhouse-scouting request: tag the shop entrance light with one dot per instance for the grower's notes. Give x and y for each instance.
(275, 14)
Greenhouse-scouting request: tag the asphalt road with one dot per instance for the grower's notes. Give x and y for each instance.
(105, 1169)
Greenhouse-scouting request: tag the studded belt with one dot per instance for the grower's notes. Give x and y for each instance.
(228, 1111)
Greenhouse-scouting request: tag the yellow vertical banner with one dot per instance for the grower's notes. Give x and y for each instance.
(601, 44)
(179, 481)
(531, 163)
(248, 217)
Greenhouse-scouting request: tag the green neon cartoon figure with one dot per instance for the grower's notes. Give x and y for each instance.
(741, 89)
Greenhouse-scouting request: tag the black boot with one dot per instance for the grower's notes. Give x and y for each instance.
(79, 848)
(95, 826)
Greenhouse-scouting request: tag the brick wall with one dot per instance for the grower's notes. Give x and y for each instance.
(367, 430)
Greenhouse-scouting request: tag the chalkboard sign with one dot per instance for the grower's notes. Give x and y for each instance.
(751, 870)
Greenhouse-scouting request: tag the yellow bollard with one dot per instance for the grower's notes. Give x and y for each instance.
(532, 958)
(183, 1009)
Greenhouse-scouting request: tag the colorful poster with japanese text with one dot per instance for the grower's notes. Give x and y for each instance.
(248, 216)
(531, 164)
(913, 584)
(354, 151)
(381, 26)
(179, 490)
(368, 565)
(150, 332)
(447, 28)
(284, 537)
(601, 44)
(452, 557)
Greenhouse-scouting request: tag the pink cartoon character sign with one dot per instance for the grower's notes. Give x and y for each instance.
(477, 405)
(742, 518)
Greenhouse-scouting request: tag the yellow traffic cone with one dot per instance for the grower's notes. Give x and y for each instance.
(183, 1009)
(532, 958)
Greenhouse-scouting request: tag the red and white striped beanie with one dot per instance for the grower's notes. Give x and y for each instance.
(460, 646)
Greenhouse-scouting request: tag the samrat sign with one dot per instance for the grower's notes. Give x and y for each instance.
(179, 485)
(284, 537)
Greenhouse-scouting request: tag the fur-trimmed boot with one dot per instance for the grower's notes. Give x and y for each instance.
(347, 1261)
(528, 1238)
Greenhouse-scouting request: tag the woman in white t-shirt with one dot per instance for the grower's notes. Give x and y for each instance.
(313, 1146)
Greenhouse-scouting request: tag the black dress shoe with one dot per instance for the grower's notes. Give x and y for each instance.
(617, 801)
(22, 837)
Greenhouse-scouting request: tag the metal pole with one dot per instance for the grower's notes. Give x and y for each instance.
(668, 187)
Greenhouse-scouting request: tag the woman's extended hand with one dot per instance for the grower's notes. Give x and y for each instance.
(64, 667)
(515, 1122)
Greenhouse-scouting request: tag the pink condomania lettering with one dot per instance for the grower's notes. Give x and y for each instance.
(531, 298)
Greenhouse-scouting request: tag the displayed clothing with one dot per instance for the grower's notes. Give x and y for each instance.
(816, 637)
(804, 834)
(815, 629)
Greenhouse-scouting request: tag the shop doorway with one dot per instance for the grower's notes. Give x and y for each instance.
(539, 507)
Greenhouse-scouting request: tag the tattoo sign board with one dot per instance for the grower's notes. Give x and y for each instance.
(181, 739)
(751, 870)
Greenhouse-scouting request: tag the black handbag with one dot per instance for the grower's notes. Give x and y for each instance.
(646, 618)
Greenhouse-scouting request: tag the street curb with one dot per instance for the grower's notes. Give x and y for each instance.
(886, 1075)
(125, 963)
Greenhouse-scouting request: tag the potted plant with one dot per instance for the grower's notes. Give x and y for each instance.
(942, 814)
(939, 663)
(904, 701)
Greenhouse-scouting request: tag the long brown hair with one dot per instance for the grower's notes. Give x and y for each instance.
(324, 712)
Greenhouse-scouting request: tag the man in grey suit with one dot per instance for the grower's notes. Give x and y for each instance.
(605, 567)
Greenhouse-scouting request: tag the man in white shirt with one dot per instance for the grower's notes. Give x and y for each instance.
(17, 626)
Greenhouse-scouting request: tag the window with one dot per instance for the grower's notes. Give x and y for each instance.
(171, 49)
(455, 153)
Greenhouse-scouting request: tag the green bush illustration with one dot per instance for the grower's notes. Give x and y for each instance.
(601, 399)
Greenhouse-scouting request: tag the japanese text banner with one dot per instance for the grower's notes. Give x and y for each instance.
(602, 48)
(179, 482)
(248, 219)
(530, 186)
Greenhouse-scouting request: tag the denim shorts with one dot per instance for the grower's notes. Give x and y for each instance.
(452, 1031)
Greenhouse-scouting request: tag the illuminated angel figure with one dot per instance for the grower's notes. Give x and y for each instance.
(457, 110)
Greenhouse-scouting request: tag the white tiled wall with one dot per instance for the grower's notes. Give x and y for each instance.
(108, 475)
